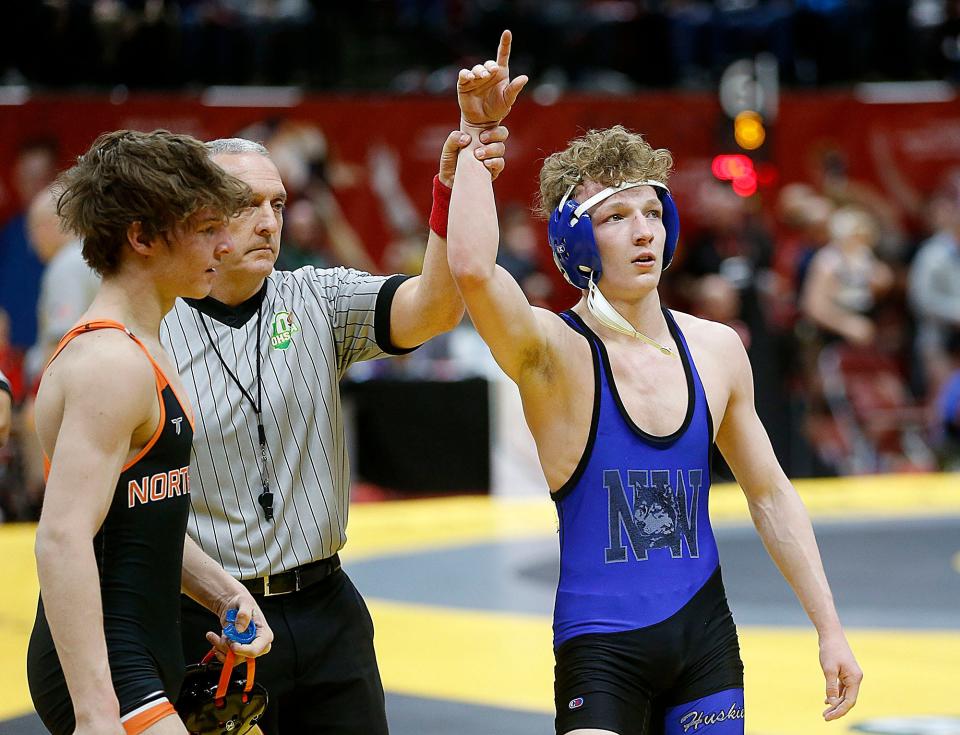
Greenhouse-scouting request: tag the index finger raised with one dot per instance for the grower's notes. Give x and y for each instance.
(503, 52)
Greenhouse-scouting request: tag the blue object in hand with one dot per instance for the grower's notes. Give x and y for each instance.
(231, 632)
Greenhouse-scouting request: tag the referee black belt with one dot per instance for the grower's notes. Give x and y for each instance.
(293, 580)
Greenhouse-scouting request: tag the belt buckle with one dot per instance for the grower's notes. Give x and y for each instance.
(266, 585)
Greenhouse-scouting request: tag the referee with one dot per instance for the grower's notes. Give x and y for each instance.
(262, 358)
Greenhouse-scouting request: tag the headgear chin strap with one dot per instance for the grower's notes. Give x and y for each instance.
(608, 316)
(570, 232)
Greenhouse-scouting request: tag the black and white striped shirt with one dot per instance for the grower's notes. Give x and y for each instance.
(314, 324)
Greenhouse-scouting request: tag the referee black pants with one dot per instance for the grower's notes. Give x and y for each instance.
(321, 673)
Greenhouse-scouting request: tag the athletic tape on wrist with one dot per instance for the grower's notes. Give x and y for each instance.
(439, 212)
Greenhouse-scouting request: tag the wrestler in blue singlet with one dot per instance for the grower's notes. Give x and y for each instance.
(644, 639)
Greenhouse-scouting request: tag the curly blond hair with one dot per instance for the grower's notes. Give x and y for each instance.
(608, 157)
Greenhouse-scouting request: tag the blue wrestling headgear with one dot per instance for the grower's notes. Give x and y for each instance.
(570, 232)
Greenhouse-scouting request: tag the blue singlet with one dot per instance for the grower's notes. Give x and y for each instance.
(635, 538)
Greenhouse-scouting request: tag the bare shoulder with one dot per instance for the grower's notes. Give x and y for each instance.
(714, 345)
(105, 368)
(553, 324)
(705, 334)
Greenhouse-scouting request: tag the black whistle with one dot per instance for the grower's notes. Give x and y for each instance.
(266, 502)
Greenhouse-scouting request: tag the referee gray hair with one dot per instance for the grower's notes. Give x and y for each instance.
(235, 145)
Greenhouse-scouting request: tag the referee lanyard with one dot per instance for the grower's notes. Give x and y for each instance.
(266, 497)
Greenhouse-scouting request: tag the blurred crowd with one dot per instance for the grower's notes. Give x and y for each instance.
(847, 298)
(407, 45)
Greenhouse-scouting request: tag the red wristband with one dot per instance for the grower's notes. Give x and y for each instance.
(441, 207)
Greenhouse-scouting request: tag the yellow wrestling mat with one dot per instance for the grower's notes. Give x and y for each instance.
(504, 660)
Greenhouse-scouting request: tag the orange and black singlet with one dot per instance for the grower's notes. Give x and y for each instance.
(139, 552)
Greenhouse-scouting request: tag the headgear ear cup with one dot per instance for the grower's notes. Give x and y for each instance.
(671, 223)
(574, 247)
(571, 234)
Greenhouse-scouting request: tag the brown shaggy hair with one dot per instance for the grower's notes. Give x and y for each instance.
(158, 179)
(608, 157)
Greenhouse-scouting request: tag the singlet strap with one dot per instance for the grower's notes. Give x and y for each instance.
(98, 324)
(576, 323)
(676, 332)
(698, 388)
(599, 388)
(160, 379)
(572, 321)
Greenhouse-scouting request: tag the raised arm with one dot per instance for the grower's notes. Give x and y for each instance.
(430, 303)
(515, 332)
(784, 526)
(101, 411)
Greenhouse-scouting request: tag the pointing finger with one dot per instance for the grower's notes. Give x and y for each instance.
(503, 52)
